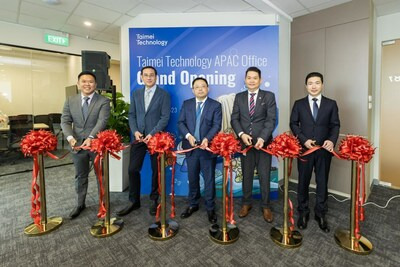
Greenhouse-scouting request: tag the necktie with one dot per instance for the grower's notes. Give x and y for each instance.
(147, 100)
(85, 107)
(252, 105)
(315, 109)
(198, 115)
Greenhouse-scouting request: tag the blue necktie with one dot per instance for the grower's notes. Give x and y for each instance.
(315, 109)
(198, 115)
(85, 107)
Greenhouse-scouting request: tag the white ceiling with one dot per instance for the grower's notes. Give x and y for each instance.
(108, 15)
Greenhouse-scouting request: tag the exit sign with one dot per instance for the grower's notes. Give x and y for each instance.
(56, 40)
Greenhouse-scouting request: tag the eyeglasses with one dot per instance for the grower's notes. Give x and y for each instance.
(149, 75)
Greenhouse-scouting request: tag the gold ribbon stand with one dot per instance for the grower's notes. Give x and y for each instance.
(229, 233)
(163, 229)
(345, 238)
(108, 226)
(284, 237)
(46, 224)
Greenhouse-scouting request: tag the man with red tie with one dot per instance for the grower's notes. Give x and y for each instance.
(253, 120)
(315, 121)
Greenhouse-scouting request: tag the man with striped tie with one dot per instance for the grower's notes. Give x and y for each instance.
(253, 120)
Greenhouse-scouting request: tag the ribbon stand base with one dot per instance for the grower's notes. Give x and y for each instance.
(228, 233)
(46, 224)
(285, 237)
(163, 229)
(51, 224)
(361, 246)
(108, 226)
(347, 238)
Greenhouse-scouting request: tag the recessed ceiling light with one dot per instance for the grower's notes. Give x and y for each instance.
(52, 2)
(87, 23)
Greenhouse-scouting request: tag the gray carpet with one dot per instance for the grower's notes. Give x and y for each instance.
(73, 245)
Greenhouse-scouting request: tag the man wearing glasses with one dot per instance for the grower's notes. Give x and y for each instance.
(148, 114)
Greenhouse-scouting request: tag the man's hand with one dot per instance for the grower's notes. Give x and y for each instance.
(72, 143)
(138, 136)
(147, 138)
(259, 144)
(204, 143)
(87, 142)
(246, 139)
(328, 145)
(192, 140)
(309, 143)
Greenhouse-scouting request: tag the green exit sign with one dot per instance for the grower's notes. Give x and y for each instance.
(56, 40)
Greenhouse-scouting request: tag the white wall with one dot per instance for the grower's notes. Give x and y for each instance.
(386, 29)
(14, 34)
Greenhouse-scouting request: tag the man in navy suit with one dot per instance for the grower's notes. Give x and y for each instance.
(148, 114)
(315, 121)
(199, 121)
(253, 120)
(84, 116)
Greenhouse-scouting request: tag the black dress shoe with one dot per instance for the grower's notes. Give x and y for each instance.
(212, 217)
(322, 223)
(128, 209)
(76, 211)
(189, 211)
(302, 221)
(153, 208)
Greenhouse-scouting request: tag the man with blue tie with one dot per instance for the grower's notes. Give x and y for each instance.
(149, 113)
(315, 121)
(199, 121)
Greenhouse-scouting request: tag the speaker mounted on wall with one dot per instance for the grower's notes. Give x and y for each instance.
(97, 62)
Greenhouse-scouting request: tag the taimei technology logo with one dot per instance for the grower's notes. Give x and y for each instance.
(149, 39)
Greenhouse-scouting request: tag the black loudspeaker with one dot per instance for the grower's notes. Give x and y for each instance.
(97, 62)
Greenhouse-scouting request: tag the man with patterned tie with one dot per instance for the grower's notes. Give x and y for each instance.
(200, 119)
(253, 120)
(83, 117)
(148, 114)
(315, 121)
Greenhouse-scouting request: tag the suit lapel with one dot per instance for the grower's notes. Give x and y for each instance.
(92, 103)
(245, 100)
(192, 115)
(206, 106)
(259, 100)
(322, 107)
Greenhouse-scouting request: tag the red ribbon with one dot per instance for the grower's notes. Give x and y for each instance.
(225, 145)
(107, 141)
(160, 143)
(33, 144)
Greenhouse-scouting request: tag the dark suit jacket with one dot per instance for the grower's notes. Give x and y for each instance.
(210, 121)
(72, 122)
(326, 127)
(155, 119)
(264, 117)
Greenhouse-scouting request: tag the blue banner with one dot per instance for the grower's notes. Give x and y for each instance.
(219, 54)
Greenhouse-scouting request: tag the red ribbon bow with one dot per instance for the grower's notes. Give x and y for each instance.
(160, 143)
(33, 144)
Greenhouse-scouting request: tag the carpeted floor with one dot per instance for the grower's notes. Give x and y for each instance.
(73, 245)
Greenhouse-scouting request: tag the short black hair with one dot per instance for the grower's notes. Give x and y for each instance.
(255, 69)
(199, 78)
(86, 72)
(148, 67)
(314, 74)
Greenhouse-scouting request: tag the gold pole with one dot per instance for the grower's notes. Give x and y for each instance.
(163, 229)
(46, 224)
(108, 226)
(345, 238)
(229, 233)
(284, 237)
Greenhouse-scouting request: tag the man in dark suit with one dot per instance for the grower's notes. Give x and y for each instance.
(199, 121)
(148, 114)
(315, 121)
(253, 120)
(84, 115)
